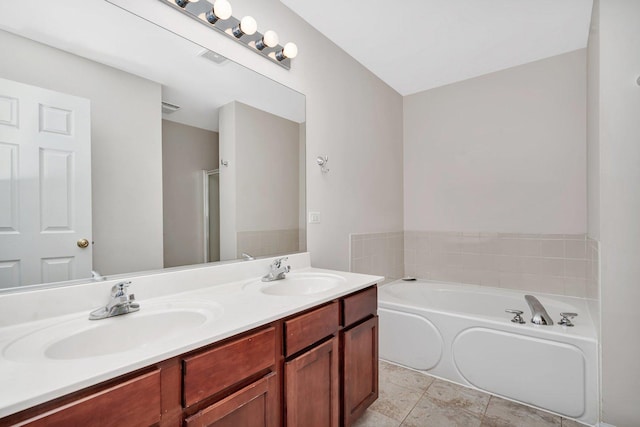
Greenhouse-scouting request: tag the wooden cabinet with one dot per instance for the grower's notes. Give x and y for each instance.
(359, 353)
(312, 387)
(252, 406)
(320, 367)
(360, 369)
(312, 379)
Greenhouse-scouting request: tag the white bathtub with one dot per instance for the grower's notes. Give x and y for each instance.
(461, 333)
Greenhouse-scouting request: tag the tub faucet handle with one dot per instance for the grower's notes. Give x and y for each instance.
(567, 318)
(518, 315)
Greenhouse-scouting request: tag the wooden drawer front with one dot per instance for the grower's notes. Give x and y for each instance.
(304, 330)
(135, 402)
(359, 306)
(210, 372)
(254, 405)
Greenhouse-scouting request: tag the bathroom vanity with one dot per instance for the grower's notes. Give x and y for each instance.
(316, 364)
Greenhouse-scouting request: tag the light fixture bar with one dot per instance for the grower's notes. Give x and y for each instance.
(198, 10)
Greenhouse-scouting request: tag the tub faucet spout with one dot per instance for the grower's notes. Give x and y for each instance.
(539, 315)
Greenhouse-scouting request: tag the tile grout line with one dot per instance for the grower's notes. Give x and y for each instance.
(485, 410)
(420, 398)
(415, 404)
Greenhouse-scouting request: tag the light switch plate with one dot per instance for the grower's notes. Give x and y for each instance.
(314, 217)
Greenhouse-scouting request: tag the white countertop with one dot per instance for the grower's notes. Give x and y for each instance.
(35, 378)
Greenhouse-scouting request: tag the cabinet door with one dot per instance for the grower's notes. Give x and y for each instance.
(253, 406)
(312, 387)
(360, 369)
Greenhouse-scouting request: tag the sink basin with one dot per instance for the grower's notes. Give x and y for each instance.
(296, 284)
(82, 338)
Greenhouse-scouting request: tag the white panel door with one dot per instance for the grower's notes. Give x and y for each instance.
(45, 185)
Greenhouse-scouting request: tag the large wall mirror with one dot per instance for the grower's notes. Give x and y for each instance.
(126, 148)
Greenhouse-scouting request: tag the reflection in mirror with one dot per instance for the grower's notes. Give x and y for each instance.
(154, 151)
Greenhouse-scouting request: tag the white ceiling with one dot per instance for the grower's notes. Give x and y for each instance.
(415, 45)
(107, 34)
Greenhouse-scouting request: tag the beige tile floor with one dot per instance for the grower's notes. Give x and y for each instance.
(412, 399)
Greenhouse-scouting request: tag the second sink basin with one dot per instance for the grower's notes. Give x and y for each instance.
(296, 284)
(82, 338)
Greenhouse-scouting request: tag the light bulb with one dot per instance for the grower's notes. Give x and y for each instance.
(269, 39)
(247, 26)
(290, 50)
(221, 10)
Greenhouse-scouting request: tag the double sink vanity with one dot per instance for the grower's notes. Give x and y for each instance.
(213, 345)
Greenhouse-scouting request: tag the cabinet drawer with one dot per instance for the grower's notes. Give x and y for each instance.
(359, 306)
(135, 402)
(212, 371)
(304, 330)
(254, 405)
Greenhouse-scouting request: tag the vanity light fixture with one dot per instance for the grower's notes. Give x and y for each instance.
(247, 26)
(245, 31)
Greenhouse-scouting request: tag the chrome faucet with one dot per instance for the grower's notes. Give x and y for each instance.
(120, 303)
(247, 257)
(538, 312)
(277, 270)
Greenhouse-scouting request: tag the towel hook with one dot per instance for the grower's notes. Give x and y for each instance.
(322, 162)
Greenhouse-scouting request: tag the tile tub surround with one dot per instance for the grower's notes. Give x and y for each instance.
(382, 253)
(563, 264)
(409, 398)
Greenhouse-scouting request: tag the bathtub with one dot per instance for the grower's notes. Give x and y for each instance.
(461, 333)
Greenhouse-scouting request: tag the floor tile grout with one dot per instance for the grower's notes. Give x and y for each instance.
(416, 404)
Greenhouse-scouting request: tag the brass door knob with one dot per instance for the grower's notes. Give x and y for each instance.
(83, 243)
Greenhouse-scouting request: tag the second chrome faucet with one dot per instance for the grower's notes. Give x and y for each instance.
(277, 270)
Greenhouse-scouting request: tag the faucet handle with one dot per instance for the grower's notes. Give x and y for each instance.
(278, 261)
(518, 315)
(567, 318)
(120, 289)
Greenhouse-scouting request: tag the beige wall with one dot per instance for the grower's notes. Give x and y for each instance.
(504, 152)
(619, 156)
(267, 170)
(228, 185)
(352, 116)
(186, 152)
(125, 149)
(593, 125)
(260, 187)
